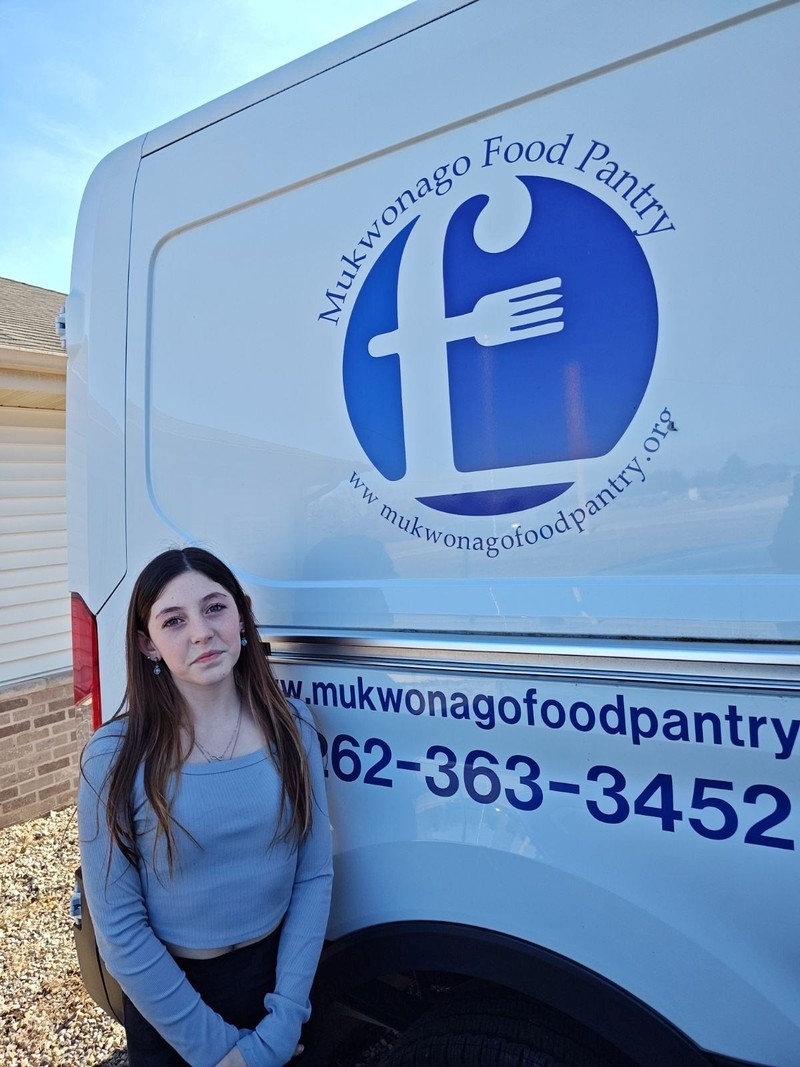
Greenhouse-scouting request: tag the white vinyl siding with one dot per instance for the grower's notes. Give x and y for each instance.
(34, 597)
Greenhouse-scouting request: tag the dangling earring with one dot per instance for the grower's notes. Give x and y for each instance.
(157, 668)
(244, 642)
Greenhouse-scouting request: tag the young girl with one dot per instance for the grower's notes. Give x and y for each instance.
(205, 842)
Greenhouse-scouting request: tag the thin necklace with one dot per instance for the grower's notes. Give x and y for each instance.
(230, 748)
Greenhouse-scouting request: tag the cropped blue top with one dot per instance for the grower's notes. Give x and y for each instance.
(232, 882)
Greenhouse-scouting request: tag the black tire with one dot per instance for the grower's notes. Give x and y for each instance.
(492, 1027)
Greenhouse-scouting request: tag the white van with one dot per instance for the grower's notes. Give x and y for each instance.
(471, 342)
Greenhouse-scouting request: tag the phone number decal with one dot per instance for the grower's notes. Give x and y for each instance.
(481, 775)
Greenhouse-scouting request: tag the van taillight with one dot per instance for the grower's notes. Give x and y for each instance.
(85, 661)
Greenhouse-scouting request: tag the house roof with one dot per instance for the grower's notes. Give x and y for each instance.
(33, 364)
(27, 316)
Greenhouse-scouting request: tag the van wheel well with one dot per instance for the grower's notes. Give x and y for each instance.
(394, 974)
(483, 1024)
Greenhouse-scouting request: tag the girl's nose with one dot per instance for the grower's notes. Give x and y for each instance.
(200, 630)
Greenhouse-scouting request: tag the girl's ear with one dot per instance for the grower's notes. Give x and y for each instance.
(146, 646)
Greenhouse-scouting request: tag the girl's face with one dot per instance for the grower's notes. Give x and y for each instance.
(195, 628)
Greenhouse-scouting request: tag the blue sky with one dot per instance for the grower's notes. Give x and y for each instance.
(80, 77)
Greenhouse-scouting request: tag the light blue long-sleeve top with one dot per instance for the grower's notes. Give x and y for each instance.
(233, 883)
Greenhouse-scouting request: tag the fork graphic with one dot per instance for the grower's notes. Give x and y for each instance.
(509, 315)
(529, 310)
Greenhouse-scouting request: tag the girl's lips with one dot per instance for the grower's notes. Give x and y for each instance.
(207, 656)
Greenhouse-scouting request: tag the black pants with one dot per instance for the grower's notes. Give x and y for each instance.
(233, 985)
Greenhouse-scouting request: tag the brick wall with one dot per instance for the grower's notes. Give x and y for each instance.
(41, 737)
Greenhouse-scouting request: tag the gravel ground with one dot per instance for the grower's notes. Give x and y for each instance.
(46, 1017)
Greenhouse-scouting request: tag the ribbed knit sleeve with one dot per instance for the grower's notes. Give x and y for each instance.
(131, 951)
(273, 1042)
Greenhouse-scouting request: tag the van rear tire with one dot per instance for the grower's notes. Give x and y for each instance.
(494, 1027)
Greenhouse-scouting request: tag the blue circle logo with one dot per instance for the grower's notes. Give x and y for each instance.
(462, 361)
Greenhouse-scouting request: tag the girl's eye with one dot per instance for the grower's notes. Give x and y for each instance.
(172, 621)
(216, 607)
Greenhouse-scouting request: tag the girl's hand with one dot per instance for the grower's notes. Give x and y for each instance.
(234, 1058)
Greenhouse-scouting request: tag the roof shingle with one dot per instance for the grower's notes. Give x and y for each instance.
(27, 316)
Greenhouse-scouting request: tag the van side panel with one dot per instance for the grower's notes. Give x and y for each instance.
(574, 814)
(610, 474)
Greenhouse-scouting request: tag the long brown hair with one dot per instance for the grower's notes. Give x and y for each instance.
(155, 712)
